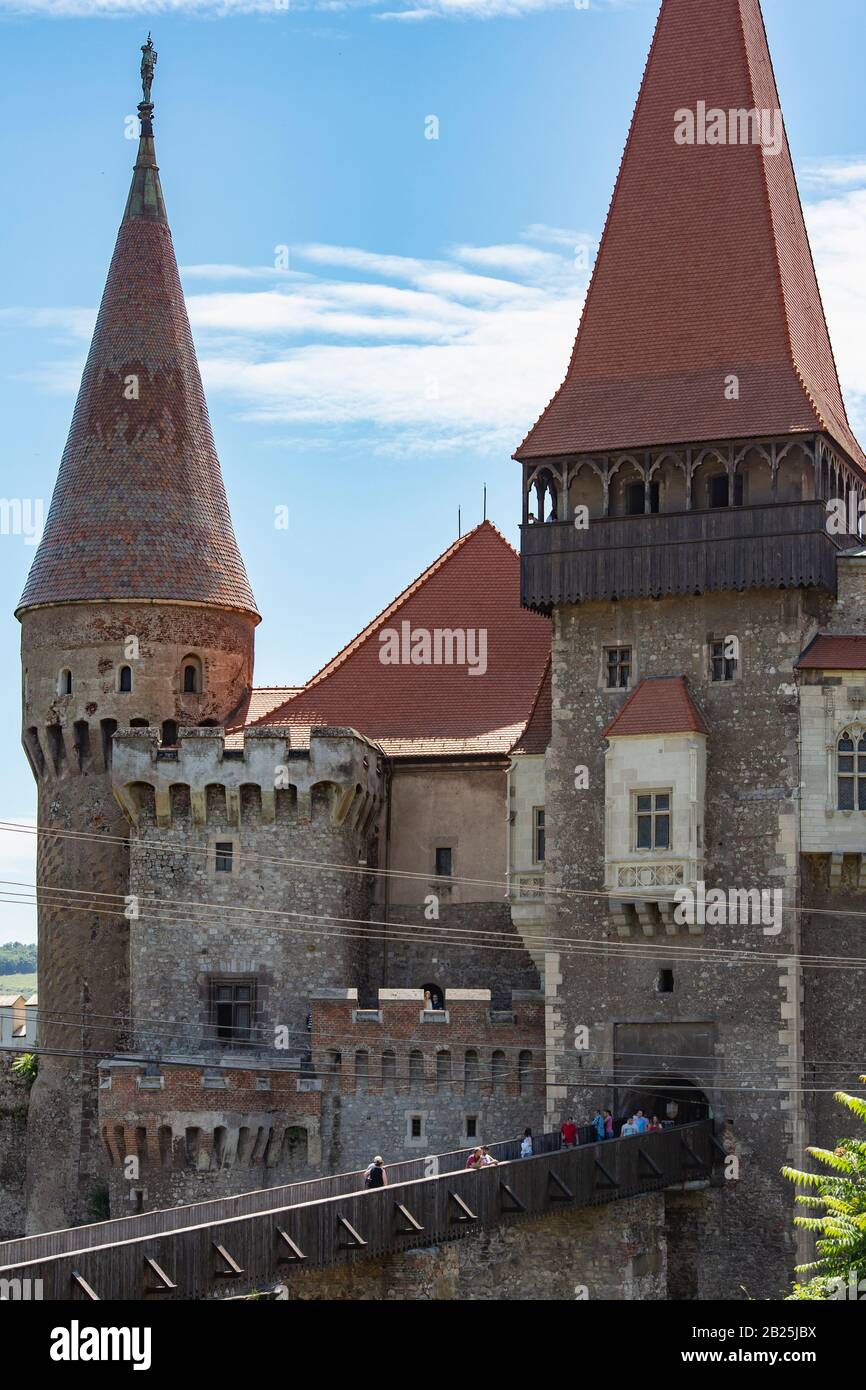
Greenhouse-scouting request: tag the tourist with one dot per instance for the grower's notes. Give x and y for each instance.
(568, 1133)
(428, 1002)
(598, 1124)
(487, 1160)
(655, 1125)
(640, 1122)
(376, 1175)
(627, 1130)
(526, 1144)
(608, 1125)
(474, 1159)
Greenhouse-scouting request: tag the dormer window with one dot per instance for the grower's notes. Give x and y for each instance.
(64, 682)
(652, 820)
(124, 680)
(851, 770)
(191, 675)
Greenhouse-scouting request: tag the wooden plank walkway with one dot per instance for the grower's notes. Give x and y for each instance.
(176, 1254)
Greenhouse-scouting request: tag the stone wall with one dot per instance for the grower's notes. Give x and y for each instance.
(14, 1102)
(733, 1032)
(612, 1252)
(181, 1133)
(404, 1082)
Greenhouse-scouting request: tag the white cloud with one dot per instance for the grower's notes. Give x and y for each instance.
(835, 173)
(837, 231)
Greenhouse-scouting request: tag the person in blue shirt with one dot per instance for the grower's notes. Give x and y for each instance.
(598, 1124)
(640, 1122)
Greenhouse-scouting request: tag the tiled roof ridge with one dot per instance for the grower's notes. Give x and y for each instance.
(596, 268)
(803, 661)
(545, 676)
(390, 609)
(679, 680)
(825, 424)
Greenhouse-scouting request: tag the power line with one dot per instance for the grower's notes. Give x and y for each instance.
(428, 933)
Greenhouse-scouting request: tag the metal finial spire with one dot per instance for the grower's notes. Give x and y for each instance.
(148, 63)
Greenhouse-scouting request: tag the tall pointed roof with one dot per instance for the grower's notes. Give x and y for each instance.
(704, 268)
(139, 508)
(424, 707)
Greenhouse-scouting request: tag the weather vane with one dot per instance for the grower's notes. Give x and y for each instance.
(148, 63)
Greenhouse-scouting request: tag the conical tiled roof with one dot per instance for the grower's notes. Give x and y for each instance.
(704, 268)
(139, 508)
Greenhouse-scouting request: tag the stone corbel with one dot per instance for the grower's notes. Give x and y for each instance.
(836, 870)
(162, 799)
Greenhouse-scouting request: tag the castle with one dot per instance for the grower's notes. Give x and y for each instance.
(436, 893)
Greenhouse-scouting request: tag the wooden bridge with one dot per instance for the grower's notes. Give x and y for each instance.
(236, 1244)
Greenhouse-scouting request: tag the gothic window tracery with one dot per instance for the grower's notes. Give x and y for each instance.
(851, 770)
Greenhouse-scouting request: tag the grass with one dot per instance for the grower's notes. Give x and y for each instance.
(11, 984)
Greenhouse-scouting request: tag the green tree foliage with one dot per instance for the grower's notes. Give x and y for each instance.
(17, 958)
(840, 1195)
(26, 1066)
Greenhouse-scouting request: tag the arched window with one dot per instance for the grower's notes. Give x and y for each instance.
(470, 1070)
(498, 1072)
(524, 1072)
(416, 1069)
(191, 675)
(124, 679)
(851, 770)
(443, 1070)
(64, 682)
(389, 1071)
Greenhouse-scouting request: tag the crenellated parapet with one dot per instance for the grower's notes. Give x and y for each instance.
(186, 1115)
(465, 1047)
(204, 778)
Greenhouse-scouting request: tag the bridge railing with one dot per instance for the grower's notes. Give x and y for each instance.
(241, 1251)
(162, 1219)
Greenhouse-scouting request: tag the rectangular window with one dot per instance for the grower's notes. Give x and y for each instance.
(471, 1126)
(635, 499)
(223, 852)
(538, 834)
(618, 665)
(652, 814)
(443, 861)
(232, 1004)
(723, 667)
(415, 1127)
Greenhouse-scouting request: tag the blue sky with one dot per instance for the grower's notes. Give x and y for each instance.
(433, 286)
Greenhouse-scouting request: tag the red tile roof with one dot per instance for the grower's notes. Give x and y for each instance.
(139, 508)
(539, 726)
(828, 653)
(436, 709)
(658, 705)
(704, 268)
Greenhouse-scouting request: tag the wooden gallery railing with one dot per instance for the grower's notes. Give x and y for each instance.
(198, 1252)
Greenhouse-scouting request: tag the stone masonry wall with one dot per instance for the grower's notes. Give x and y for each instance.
(176, 1134)
(460, 1074)
(14, 1102)
(734, 1031)
(612, 1252)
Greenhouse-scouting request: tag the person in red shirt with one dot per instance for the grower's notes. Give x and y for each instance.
(568, 1131)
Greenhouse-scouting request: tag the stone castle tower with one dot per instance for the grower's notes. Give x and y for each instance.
(137, 611)
(675, 528)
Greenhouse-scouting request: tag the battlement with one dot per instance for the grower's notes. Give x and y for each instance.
(203, 778)
(179, 1115)
(464, 1048)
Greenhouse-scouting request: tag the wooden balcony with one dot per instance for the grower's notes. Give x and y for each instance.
(773, 546)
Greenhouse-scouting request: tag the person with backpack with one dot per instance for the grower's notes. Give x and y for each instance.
(377, 1174)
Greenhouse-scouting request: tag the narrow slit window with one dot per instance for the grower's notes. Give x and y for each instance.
(124, 681)
(538, 846)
